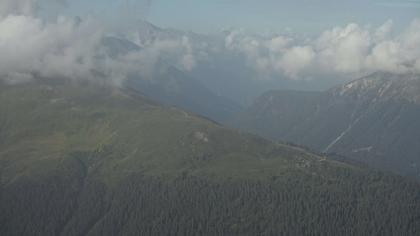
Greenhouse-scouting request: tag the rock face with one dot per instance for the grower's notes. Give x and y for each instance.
(374, 120)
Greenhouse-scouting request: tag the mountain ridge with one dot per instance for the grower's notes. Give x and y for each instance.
(371, 120)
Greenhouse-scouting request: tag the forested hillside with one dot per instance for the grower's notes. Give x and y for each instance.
(87, 159)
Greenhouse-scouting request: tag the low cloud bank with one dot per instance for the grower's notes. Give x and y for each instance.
(349, 50)
(68, 47)
(73, 48)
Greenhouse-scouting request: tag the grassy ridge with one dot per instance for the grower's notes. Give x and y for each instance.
(116, 132)
(96, 160)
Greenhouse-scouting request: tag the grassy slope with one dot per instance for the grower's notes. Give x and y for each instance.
(78, 160)
(116, 132)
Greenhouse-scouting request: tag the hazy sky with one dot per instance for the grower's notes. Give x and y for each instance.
(308, 16)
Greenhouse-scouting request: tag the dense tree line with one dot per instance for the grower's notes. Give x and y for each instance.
(71, 204)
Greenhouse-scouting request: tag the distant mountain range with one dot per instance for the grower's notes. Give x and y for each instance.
(217, 87)
(373, 120)
(170, 85)
(80, 158)
(174, 87)
(225, 73)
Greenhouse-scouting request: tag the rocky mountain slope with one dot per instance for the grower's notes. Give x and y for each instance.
(374, 120)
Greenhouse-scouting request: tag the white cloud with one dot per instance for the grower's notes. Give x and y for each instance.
(61, 48)
(278, 43)
(25, 7)
(411, 39)
(341, 51)
(400, 54)
(296, 59)
(72, 48)
(385, 56)
(384, 30)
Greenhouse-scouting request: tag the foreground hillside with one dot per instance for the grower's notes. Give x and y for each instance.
(374, 120)
(85, 159)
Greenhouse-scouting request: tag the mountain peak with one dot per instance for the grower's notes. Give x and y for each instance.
(380, 86)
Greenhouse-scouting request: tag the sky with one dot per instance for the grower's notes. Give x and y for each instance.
(300, 16)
